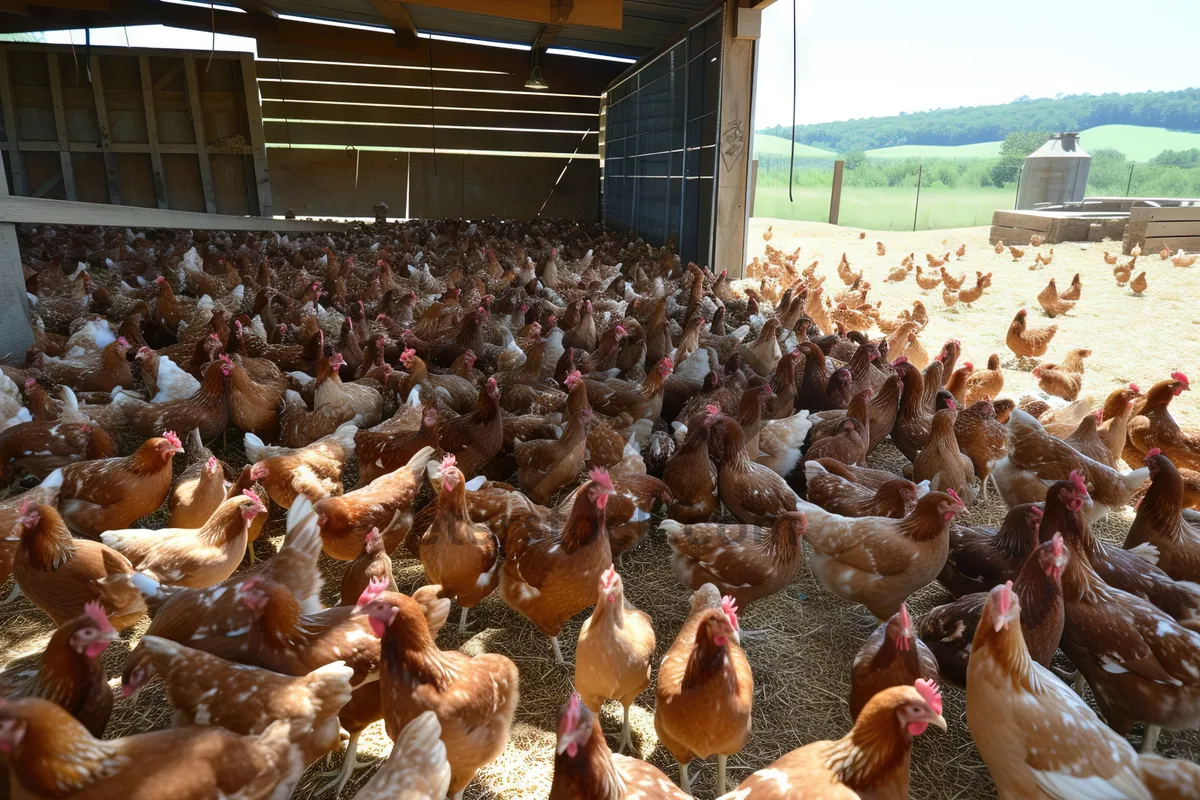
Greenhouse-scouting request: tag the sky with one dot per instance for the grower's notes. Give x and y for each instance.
(873, 58)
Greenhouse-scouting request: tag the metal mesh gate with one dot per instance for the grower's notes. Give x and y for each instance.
(659, 151)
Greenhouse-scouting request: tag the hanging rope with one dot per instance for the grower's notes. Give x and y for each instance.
(287, 116)
(212, 12)
(792, 160)
(432, 110)
(586, 134)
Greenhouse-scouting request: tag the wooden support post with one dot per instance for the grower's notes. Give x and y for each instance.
(156, 162)
(262, 179)
(11, 128)
(60, 125)
(753, 186)
(193, 92)
(16, 332)
(110, 161)
(835, 196)
(733, 147)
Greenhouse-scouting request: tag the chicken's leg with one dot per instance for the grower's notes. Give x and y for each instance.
(721, 774)
(350, 764)
(557, 651)
(13, 595)
(250, 553)
(462, 623)
(685, 783)
(1150, 739)
(626, 737)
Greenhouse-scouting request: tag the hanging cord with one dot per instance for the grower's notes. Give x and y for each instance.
(287, 117)
(432, 110)
(212, 11)
(87, 56)
(74, 55)
(792, 160)
(562, 174)
(354, 201)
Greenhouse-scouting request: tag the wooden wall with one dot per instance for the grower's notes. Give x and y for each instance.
(122, 126)
(465, 139)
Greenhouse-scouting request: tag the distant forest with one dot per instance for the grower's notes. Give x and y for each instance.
(956, 126)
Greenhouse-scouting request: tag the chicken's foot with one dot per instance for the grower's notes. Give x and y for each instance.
(13, 595)
(350, 764)
(626, 735)
(685, 782)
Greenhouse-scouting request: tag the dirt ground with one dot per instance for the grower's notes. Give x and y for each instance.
(1132, 338)
(805, 639)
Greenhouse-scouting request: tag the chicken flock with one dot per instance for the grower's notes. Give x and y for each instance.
(514, 406)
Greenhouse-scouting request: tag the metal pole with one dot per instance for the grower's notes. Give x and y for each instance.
(1129, 185)
(917, 205)
(1017, 196)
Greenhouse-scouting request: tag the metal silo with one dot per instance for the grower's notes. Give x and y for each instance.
(1057, 172)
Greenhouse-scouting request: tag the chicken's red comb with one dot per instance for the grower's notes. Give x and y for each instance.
(954, 496)
(967, 365)
(609, 578)
(1057, 545)
(122, 341)
(905, 617)
(376, 587)
(253, 495)
(729, 606)
(211, 464)
(407, 354)
(600, 476)
(96, 613)
(621, 330)
(571, 721)
(951, 404)
(30, 383)
(1179, 376)
(930, 694)
(173, 438)
(1038, 512)
(667, 364)
(1133, 387)
(448, 461)
(712, 409)
(575, 377)
(900, 360)
(1077, 479)
(374, 535)
(1154, 451)
(214, 337)
(1099, 415)
(253, 582)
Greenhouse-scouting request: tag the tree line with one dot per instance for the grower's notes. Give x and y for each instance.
(1179, 110)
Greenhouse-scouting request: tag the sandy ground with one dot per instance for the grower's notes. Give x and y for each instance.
(1132, 338)
(806, 638)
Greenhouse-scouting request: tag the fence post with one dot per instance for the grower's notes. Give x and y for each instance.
(917, 205)
(835, 197)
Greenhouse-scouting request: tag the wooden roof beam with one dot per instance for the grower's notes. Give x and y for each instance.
(255, 7)
(594, 13)
(400, 21)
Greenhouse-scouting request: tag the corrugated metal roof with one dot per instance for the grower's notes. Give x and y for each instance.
(646, 24)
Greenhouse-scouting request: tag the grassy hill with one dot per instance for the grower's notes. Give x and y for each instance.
(1137, 142)
(765, 144)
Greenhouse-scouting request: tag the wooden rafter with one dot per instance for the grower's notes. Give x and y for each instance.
(595, 13)
(399, 19)
(255, 7)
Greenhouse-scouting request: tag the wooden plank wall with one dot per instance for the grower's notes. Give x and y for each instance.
(122, 127)
(464, 139)
(1155, 228)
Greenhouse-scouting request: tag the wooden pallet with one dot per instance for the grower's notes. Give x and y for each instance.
(1152, 228)
(1017, 227)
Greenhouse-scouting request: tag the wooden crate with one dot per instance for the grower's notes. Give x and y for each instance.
(1017, 227)
(1152, 228)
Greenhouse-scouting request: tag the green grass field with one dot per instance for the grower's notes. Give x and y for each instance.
(886, 209)
(1136, 142)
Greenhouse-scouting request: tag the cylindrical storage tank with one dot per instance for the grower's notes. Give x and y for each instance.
(1057, 172)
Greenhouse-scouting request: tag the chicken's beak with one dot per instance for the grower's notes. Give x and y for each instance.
(938, 720)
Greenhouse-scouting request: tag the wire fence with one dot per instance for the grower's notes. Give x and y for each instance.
(930, 194)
